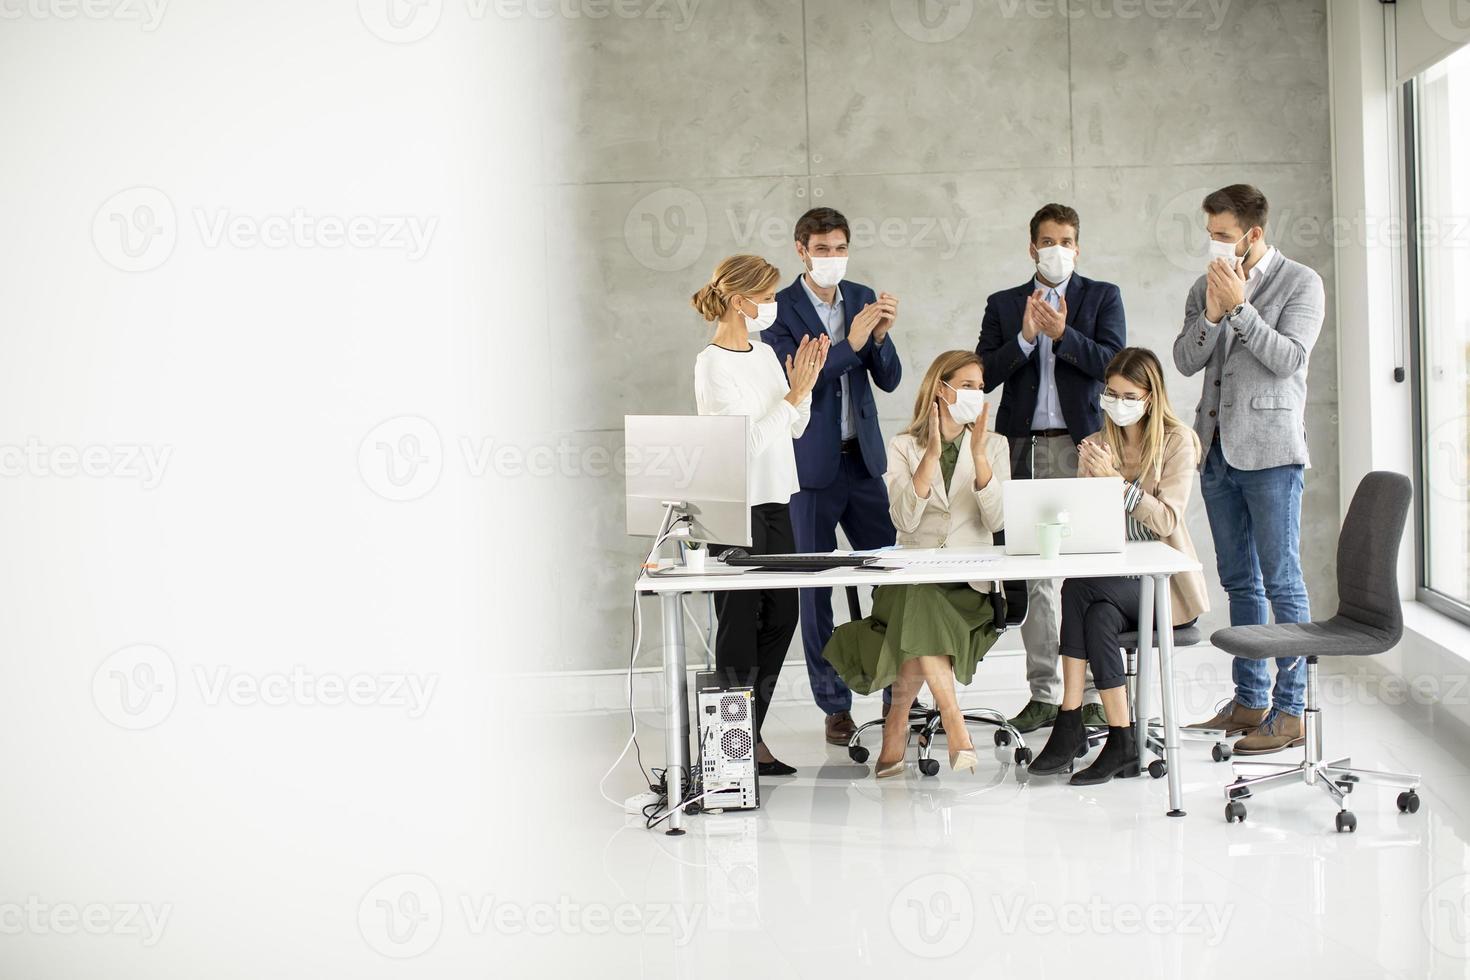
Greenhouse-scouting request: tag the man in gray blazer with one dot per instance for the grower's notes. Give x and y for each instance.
(1249, 324)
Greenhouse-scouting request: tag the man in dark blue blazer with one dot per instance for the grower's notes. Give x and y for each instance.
(1048, 342)
(841, 458)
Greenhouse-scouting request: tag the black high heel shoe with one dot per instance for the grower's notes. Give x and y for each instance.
(773, 768)
(1119, 757)
(1067, 741)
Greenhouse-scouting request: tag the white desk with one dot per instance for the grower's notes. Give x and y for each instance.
(1153, 562)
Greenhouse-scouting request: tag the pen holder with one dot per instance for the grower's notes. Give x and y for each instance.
(1049, 539)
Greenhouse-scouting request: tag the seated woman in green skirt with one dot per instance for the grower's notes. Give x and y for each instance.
(944, 477)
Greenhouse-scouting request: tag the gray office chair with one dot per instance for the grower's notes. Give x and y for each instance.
(1008, 608)
(1369, 621)
(1151, 730)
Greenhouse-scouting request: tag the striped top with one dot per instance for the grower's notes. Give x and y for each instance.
(1137, 530)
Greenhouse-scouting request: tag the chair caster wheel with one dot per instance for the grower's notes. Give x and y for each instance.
(1235, 812)
(929, 767)
(1346, 822)
(1158, 769)
(1409, 802)
(1220, 752)
(1023, 758)
(857, 753)
(1002, 738)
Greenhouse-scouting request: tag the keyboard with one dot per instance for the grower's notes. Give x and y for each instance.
(799, 563)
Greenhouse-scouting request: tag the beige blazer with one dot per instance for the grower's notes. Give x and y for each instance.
(1162, 507)
(957, 516)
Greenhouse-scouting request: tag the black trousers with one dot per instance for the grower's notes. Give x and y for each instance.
(756, 626)
(1094, 612)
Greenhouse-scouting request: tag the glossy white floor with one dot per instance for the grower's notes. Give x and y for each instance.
(838, 875)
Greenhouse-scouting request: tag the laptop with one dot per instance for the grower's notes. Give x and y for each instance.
(1093, 505)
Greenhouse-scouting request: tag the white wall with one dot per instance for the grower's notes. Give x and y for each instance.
(261, 547)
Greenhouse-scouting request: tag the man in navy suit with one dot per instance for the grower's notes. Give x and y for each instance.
(1048, 342)
(841, 458)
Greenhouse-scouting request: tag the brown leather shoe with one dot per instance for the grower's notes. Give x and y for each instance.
(840, 728)
(1279, 731)
(1234, 719)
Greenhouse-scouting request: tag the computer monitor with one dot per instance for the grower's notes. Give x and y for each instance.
(699, 461)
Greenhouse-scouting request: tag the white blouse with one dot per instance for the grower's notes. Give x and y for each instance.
(753, 383)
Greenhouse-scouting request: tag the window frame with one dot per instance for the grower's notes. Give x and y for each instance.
(1417, 322)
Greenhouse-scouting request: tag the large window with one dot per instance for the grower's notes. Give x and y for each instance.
(1442, 258)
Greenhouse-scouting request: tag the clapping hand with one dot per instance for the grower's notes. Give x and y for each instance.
(979, 436)
(805, 366)
(1224, 289)
(864, 325)
(933, 447)
(1030, 325)
(928, 468)
(1051, 322)
(888, 303)
(1095, 460)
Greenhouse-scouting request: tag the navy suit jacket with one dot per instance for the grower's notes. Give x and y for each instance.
(1095, 332)
(819, 450)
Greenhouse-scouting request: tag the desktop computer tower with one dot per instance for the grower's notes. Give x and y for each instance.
(726, 745)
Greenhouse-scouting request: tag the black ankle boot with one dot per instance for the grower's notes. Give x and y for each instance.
(1119, 757)
(1068, 740)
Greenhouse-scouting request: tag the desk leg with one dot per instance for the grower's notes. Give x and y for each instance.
(676, 709)
(1164, 620)
(1143, 687)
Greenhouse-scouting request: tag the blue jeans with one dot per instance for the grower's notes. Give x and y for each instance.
(1255, 518)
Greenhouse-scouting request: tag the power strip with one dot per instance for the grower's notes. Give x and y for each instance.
(635, 804)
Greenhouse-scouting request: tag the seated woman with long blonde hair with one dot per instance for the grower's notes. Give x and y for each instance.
(944, 477)
(1156, 454)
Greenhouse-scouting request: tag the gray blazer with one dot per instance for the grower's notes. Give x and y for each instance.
(1257, 392)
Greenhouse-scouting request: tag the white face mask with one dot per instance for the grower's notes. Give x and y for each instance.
(828, 270)
(1055, 262)
(765, 315)
(967, 403)
(1226, 251)
(1123, 412)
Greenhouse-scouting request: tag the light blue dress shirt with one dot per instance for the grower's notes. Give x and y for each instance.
(835, 321)
(1048, 413)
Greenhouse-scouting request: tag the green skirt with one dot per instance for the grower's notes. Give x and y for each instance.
(913, 621)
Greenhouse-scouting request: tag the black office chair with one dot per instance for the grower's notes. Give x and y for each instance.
(1151, 730)
(1008, 608)
(1369, 621)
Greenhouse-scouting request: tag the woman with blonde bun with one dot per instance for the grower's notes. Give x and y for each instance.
(737, 374)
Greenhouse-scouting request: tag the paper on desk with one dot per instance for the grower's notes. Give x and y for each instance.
(949, 557)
